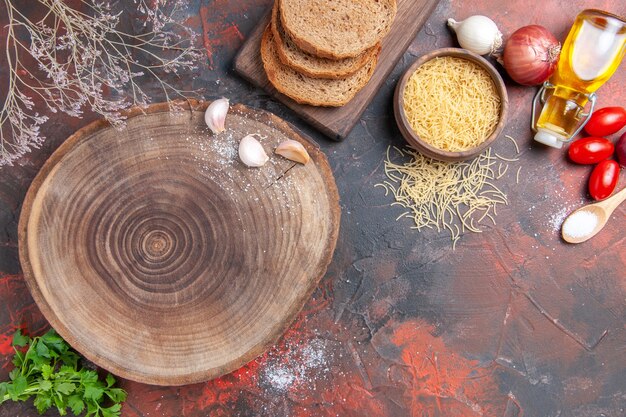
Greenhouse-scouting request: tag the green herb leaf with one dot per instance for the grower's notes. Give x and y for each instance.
(93, 392)
(76, 404)
(70, 359)
(43, 401)
(60, 404)
(53, 339)
(89, 377)
(45, 385)
(19, 339)
(66, 388)
(18, 359)
(113, 411)
(42, 350)
(110, 380)
(46, 371)
(116, 395)
(49, 370)
(65, 369)
(19, 385)
(33, 355)
(92, 409)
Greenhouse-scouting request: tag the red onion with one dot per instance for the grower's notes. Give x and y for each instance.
(531, 54)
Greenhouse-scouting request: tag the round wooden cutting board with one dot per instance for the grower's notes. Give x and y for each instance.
(162, 258)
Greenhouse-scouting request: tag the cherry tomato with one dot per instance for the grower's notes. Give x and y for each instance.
(620, 150)
(606, 121)
(603, 179)
(590, 150)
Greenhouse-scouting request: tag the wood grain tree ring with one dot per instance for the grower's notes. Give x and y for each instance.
(159, 256)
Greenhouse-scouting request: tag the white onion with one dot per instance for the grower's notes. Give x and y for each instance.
(477, 34)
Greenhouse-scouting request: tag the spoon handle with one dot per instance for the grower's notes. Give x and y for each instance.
(616, 200)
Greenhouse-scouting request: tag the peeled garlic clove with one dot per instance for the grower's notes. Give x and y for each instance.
(477, 34)
(215, 115)
(251, 152)
(293, 150)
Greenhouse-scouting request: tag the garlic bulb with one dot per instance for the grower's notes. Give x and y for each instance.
(477, 34)
(293, 150)
(215, 115)
(251, 152)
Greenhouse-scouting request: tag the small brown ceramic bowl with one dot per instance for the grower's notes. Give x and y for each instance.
(427, 149)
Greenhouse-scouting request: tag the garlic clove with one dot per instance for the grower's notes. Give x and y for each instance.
(478, 34)
(293, 150)
(251, 152)
(215, 115)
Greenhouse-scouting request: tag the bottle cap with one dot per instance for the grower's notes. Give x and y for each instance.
(547, 138)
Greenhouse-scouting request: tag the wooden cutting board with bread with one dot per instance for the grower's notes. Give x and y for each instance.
(326, 59)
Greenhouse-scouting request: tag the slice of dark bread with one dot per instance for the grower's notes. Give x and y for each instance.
(308, 90)
(336, 29)
(310, 65)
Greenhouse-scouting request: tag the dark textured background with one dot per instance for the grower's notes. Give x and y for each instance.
(514, 322)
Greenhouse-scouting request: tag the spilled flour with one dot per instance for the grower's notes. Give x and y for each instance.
(556, 219)
(301, 366)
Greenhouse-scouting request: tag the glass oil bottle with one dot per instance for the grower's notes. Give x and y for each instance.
(590, 55)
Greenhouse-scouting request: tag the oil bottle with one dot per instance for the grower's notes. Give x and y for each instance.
(590, 55)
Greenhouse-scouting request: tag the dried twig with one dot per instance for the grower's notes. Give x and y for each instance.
(75, 60)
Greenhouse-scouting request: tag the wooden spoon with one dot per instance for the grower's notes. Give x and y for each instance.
(602, 210)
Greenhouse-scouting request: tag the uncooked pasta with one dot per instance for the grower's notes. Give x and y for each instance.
(451, 103)
(449, 196)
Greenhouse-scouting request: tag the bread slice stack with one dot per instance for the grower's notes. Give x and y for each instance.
(322, 52)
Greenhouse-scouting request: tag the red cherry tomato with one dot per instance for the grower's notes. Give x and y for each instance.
(620, 150)
(606, 121)
(590, 150)
(603, 179)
